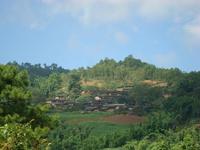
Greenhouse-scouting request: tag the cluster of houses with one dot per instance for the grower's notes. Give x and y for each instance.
(103, 100)
(99, 104)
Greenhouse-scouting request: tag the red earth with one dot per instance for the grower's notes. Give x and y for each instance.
(123, 119)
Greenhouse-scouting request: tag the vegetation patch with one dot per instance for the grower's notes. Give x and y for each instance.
(110, 117)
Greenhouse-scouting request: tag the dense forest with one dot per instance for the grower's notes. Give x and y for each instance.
(168, 99)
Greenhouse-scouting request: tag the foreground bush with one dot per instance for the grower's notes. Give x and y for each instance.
(22, 137)
(185, 139)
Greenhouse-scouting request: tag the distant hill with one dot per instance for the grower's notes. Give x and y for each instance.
(39, 70)
(107, 74)
(128, 70)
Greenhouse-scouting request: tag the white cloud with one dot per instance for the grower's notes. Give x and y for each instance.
(154, 9)
(22, 12)
(104, 11)
(35, 13)
(192, 31)
(101, 11)
(173, 9)
(93, 11)
(184, 14)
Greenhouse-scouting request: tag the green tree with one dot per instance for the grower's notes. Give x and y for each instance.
(22, 137)
(14, 93)
(146, 98)
(20, 122)
(74, 87)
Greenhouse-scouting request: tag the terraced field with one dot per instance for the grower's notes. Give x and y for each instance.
(77, 118)
(101, 122)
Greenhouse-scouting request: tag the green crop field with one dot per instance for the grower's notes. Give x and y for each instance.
(93, 120)
(68, 116)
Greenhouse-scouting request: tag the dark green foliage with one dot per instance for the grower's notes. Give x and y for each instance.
(44, 80)
(189, 85)
(39, 117)
(80, 138)
(46, 87)
(74, 87)
(52, 85)
(185, 103)
(39, 70)
(20, 121)
(131, 62)
(68, 138)
(156, 123)
(184, 108)
(22, 137)
(185, 139)
(14, 94)
(146, 98)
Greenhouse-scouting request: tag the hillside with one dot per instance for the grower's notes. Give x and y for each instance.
(122, 105)
(103, 80)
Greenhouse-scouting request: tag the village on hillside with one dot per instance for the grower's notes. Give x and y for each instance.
(103, 100)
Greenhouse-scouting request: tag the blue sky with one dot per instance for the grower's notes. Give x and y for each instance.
(76, 33)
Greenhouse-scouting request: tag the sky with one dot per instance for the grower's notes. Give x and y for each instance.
(78, 33)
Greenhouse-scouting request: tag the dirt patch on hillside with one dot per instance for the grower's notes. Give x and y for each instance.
(155, 83)
(123, 119)
(95, 83)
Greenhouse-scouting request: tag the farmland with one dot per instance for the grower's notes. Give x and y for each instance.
(100, 122)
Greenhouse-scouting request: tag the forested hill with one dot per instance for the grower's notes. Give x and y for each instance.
(127, 70)
(39, 70)
(50, 81)
(130, 69)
